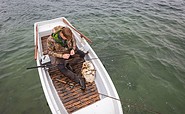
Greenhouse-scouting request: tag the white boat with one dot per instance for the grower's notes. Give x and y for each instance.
(100, 97)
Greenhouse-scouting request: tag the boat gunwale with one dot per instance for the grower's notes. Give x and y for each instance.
(104, 77)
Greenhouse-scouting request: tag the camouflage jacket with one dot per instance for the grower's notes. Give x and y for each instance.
(56, 50)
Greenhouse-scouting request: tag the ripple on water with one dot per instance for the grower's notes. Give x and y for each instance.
(147, 36)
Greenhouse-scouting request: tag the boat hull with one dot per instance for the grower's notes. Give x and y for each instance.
(103, 84)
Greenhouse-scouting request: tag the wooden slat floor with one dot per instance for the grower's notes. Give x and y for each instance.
(69, 92)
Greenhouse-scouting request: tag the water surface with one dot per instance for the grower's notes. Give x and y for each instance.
(140, 42)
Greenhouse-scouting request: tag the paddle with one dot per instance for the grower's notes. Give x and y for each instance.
(77, 31)
(36, 45)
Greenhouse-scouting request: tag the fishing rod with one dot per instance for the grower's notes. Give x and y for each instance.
(131, 104)
(109, 56)
(122, 102)
(42, 66)
(88, 59)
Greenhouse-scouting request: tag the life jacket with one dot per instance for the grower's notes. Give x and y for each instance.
(59, 39)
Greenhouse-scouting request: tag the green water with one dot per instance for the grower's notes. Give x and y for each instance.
(140, 42)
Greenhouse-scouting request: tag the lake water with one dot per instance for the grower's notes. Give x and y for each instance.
(140, 42)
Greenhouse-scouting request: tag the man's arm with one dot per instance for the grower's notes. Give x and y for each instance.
(74, 43)
(51, 48)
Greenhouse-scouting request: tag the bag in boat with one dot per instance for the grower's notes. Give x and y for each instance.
(88, 71)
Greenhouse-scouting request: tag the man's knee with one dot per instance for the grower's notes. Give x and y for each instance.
(81, 53)
(61, 67)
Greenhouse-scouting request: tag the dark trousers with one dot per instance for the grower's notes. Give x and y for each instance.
(63, 67)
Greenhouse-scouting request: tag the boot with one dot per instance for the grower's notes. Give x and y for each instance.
(82, 83)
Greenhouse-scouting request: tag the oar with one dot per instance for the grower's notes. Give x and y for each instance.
(77, 31)
(36, 44)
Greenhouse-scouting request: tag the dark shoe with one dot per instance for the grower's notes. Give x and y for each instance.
(87, 53)
(82, 83)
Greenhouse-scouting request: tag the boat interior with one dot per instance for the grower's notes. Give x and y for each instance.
(69, 92)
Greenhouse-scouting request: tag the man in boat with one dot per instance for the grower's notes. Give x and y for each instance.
(61, 45)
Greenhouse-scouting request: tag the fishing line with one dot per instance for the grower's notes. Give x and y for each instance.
(132, 104)
(49, 66)
(122, 102)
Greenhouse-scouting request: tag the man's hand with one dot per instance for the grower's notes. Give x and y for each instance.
(45, 52)
(53, 31)
(66, 56)
(72, 52)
